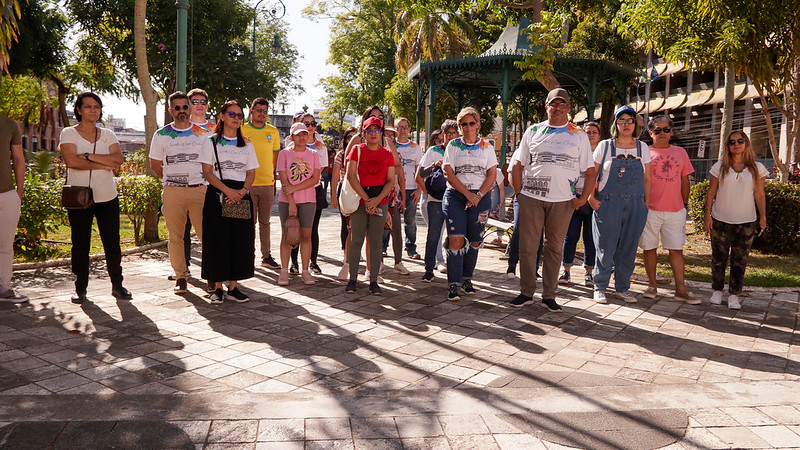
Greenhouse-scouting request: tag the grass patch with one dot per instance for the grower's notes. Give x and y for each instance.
(62, 247)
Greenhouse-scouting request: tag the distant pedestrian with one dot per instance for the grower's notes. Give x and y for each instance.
(433, 187)
(174, 157)
(545, 170)
(469, 165)
(229, 162)
(620, 204)
(12, 185)
(736, 212)
(267, 144)
(92, 154)
(666, 216)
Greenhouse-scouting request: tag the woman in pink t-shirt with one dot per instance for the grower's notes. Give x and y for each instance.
(298, 170)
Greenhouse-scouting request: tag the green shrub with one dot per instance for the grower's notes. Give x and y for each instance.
(138, 194)
(782, 235)
(40, 214)
(136, 163)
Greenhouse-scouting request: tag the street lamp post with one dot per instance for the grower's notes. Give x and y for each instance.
(180, 56)
(255, 16)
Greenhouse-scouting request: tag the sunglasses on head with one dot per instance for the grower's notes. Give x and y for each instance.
(199, 102)
(626, 121)
(180, 107)
(736, 141)
(658, 131)
(234, 115)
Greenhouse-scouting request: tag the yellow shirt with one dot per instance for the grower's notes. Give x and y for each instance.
(266, 141)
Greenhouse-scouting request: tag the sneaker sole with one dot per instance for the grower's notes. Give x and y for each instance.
(529, 302)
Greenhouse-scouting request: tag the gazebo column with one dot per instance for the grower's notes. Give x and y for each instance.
(591, 97)
(432, 91)
(505, 98)
(420, 112)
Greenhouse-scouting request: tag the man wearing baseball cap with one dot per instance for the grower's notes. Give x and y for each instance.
(544, 171)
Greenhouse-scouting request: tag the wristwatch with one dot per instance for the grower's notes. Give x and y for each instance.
(86, 156)
(479, 194)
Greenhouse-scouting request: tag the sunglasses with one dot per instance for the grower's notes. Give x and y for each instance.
(180, 107)
(468, 124)
(626, 121)
(234, 115)
(260, 110)
(736, 141)
(200, 102)
(626, 157)
(310, 124)
(658, 131)
(370, 131)
(559, 105)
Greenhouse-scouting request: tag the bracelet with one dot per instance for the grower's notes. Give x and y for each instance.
(479, 194)
(86, 156)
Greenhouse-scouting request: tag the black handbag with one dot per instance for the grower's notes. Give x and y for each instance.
(238, 210)
(79, 197)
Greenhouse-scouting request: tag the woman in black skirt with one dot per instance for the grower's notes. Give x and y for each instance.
(229, 163)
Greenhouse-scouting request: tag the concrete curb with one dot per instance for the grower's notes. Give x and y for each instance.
(642, 279)
(67, 261)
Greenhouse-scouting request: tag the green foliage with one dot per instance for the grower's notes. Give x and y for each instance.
(41, 48)
(42, 163)
(782, 235)
(545, 37)
(138, 194)
(40, 213)
(24, 98)
(430, 34)
(594, 37)
(136, 163)
(9, 31)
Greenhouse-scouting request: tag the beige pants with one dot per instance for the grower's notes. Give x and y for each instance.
(535, 216)
(9, 211)
(177, 203)
(263, 197)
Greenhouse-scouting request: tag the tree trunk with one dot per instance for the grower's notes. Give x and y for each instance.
(773, 147)
(727, 109)
(150, 101)
(62, 100)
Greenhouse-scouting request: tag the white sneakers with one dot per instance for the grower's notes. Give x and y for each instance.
(401, 269)
(650, 292)
(716, 298)
(733, 302)
(600, 297)
(627, 297)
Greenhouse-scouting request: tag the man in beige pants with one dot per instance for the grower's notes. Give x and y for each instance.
(174, 153)
(11, 189)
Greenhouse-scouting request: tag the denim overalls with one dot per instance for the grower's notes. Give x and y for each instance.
(619, 221)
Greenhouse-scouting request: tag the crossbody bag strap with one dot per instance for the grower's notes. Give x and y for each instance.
(219, 166)
(602, 162)
(94, 150)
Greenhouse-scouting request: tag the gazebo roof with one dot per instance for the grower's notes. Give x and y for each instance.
(513, 40)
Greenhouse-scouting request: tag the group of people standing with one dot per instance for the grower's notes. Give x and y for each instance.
(220, 178)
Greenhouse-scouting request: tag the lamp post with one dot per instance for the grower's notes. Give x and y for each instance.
(255, 16)
(276, 11)
(180, 57)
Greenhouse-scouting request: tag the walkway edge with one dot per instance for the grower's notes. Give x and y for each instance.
(99, 256)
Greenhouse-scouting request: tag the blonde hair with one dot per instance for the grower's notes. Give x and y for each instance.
(468, 111)
(748, 157)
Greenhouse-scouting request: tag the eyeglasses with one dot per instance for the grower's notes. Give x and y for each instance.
(558, 105)
(626, 157)
(200, 102)
(736, 141)
(310, 124)
(404, 127)
(234, 115)
(626, 121)
(370, 131)
(260, 110)
(379, 116)
(451, 133)
(180, 107)
(658, 131)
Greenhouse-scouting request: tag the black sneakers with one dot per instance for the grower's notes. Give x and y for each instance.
(270, 263)
(120, 293)
(428, 277)
(551, 304)
(180, 286)
(564, 278)
(521, 300)
(466, 285)
(452, 293)
(374, 289)
(238, 296)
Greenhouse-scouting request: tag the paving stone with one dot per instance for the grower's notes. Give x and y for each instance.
(474, 442)
(518, 441)
(748, 416)
(463, 425)
(281, 430)
(233, 431)
(777, 436)
(374, 427)
(739, 437)
(338, 444)
(291, 445)
(430, 443)
(320, 429)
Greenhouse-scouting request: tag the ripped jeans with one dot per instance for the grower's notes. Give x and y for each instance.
(468, 223)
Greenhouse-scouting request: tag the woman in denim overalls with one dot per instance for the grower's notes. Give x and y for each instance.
(621, 205)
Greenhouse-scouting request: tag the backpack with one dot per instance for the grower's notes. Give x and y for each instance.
(436, 183)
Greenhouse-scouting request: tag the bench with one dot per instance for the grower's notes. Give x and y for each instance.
(493, 226)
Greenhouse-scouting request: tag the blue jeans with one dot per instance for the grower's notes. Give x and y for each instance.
(468, 223)
(423, 206)
(571, 241)
(410, 219)
(433, 240)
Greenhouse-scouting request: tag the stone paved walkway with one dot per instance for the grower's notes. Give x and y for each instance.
(313, 367)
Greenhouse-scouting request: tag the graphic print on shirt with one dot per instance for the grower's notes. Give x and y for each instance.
(669, 168)
(179, 176)
(299, 170)
(231, 148)
(470, 164)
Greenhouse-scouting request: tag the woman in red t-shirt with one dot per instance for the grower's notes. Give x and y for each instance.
(370, 171)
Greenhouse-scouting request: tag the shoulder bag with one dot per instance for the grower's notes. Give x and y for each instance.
(79, 197)
(348, 197)
(239, 210)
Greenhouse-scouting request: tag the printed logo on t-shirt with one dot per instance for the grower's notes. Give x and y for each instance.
(668, 168)
(299, 169)
(539, 186)
(556, 159)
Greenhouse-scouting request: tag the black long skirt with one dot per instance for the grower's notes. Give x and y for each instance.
(228, 244)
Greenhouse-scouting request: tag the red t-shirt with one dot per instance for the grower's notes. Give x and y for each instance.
(373, 165)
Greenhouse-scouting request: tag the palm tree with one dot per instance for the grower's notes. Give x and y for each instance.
(431, 34)
(8, 28)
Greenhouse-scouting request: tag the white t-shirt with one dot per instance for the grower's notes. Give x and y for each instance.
(735, 202)
(321, 150)
(499, 179)
(179, 151)
(552, 158)
(470, 162)
(103, 187)
(235, 161)
(598, 158)
(431, 157)
(411, 154)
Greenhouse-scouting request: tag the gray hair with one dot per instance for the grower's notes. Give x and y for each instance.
(447, 124)
(661, 118)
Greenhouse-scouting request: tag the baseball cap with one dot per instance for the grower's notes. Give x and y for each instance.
(370, 122)
(557, 93)
(298, 114)
(624, 109)
(389, 128)
(297, 128)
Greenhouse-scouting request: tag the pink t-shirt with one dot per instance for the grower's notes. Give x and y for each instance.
(299, 166)
(667, 167)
